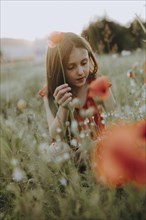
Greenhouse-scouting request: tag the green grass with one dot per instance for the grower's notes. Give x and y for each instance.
(53, 190)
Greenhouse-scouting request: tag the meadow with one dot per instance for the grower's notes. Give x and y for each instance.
(36, 187)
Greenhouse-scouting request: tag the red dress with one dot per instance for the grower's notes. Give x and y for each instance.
(91, 123)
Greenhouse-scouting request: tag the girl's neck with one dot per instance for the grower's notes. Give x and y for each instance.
(79, 91)
(81, 94)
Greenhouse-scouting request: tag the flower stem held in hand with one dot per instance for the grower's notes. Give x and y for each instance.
(61, 64)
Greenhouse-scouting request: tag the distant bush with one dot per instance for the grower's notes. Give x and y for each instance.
(110, 37)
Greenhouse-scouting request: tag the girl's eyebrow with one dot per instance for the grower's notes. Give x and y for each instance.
(72, 63)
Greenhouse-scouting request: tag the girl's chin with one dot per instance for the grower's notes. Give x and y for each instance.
(80, 82)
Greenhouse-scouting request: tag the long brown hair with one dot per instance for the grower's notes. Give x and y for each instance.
(54, 72)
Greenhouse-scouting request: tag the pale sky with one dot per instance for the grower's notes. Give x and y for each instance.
(35, 19)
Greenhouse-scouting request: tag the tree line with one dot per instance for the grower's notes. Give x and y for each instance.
(107, 36)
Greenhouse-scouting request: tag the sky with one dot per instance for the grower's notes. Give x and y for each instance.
(29, 20)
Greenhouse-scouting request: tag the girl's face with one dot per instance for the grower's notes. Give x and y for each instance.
(77, 70)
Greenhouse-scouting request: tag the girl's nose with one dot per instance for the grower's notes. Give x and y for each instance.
(80, 70)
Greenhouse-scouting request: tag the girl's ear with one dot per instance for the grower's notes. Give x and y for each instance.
(95, 69)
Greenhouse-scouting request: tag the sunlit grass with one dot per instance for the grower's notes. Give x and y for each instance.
(33, 186)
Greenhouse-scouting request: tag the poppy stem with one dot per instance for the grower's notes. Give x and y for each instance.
(61, 65)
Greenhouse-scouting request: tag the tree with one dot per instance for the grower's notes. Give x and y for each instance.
(110, 37)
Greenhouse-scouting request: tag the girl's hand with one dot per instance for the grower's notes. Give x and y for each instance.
(63, 95)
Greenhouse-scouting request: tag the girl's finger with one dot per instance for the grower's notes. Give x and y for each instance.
(62, 92)
(65, 104)
(59, 88)
(65, 97)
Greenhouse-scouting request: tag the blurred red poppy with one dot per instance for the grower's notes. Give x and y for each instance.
(43, 91)
(117, 158)
(130, 74)
(140, 129)
(55, 38)
(99, 87)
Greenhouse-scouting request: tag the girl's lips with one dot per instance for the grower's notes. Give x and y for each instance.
(80, 79)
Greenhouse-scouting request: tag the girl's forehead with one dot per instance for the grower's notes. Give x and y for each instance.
(78, 53)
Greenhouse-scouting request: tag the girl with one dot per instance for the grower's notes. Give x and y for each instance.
(70, 67)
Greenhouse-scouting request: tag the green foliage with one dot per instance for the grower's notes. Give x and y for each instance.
(33, 186)
(110, 37)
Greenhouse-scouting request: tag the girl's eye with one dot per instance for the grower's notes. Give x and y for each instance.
(70, 67)
(84, 63)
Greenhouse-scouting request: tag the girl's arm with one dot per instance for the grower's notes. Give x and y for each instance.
(110, 103)
(62, 97)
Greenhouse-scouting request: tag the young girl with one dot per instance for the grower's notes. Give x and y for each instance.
(71, 66)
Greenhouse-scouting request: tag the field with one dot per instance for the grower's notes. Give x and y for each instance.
(34, 187)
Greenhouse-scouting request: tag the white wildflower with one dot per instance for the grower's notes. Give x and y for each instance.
(114, 56)
(142, 109)
(44, 147)
(63, 181)
(74, 127)
(136, 103)
(141, 71)
(18, 174)
(132, 83)
(58, 138)
(75, 103)
(82, 135)
(86, 121)
(116, 114)
(103, 115)
(143, 95)
(92, 124)
(103, 122)
(87, 134)
(89, 112)
(59, 130)
(66, 156)
(44, 135)
(62, 157)
(83, 113)
(127, 109)
(125, 53)
(14, 162)
(74, 142)
(67, 123)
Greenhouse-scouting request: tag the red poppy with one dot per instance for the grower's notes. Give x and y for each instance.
(43, 91)
(131, 74)
(117, 158)
(55, 38)
(134, 163)
(140, 129)
(99, 87)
